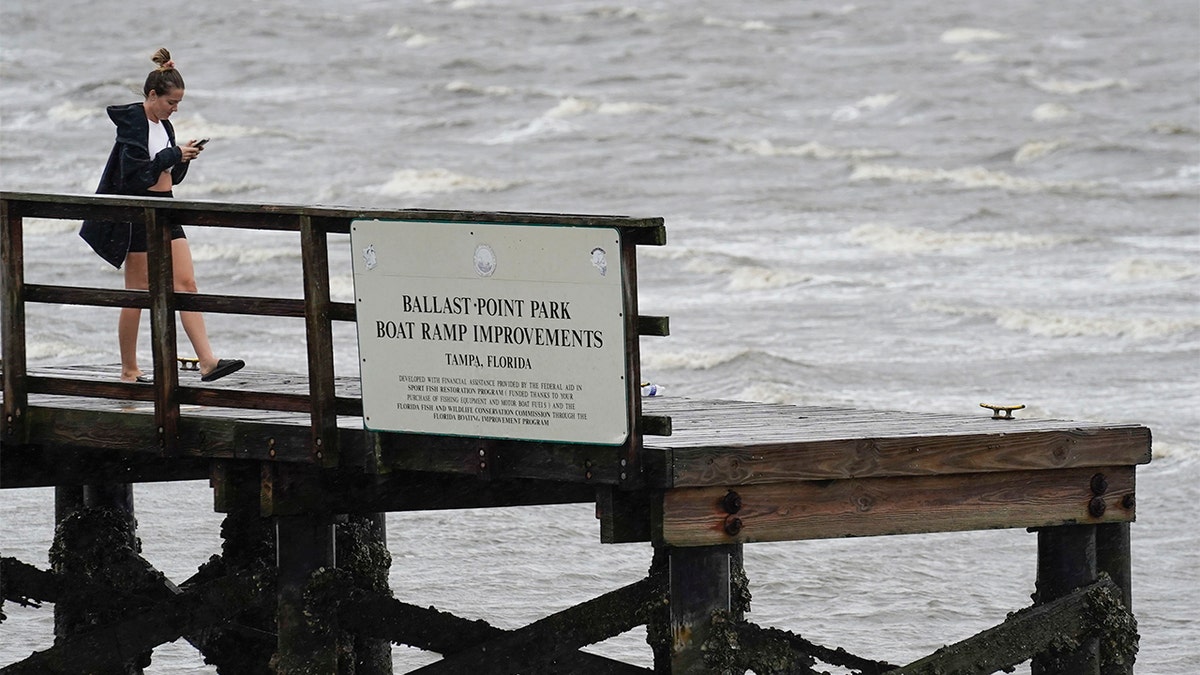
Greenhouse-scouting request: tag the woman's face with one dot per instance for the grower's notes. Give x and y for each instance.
(159, 108)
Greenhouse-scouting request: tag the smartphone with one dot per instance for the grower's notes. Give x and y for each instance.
(200, 143)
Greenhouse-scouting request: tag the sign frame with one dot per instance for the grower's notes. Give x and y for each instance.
(513, 331)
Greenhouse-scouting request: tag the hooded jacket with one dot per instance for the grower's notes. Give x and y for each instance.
(130, 171)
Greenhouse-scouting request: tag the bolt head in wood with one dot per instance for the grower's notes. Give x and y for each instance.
(733, 525)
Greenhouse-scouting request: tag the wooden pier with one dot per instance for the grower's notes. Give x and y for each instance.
(300, 585)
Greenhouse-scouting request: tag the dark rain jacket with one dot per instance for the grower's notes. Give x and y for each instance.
(130, 171)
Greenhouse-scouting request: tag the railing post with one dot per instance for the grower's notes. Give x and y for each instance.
(12, 316)
(319, 331)
(631, 457)
(162, 331)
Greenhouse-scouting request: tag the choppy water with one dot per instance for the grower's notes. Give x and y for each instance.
(913, 205)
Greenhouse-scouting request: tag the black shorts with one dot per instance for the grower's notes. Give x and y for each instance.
(137, 233)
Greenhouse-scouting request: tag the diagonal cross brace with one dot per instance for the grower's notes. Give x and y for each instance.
(555, 638)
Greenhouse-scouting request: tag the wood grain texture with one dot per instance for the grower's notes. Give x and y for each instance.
(902, 505)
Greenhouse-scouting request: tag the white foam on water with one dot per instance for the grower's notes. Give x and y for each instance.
(1144, 269)
(972, 58)
(197, 126)
(689, 359)
(629, 108)
(541, 126)
(1035, 150)
(48, 349)
(70, 111)
(1054, 112)
(1076, 87)
(967, 35)
(892, 239)
(45, 226)
(1057, 324)
(243, 255)
(439, 181)
(465, 87)
(745, 277)
(974, 177)
(810, 150)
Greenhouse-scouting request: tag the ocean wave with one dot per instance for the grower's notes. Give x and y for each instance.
(968, 177)
(741, 276)
(220, 188)
(243, 255)
(972, 58)
(410, 36)
(44, 349)
(624, 13)
(541, 126)
(439, 181)
(1173, 129)
(891, 239)
(196, 126)
(1035, 150)
(69, 111)
(1044, 323)
(44, 226)
(1054, 112)
(1075, 87)
(871, 103)
(809, 150)
(966, 35)
(752, 25)
(689, 359)
(574, 106)
(341, 287)
(769, 392)
(464, 87)
(1143, 269)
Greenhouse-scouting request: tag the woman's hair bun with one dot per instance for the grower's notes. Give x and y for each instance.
(163, 58)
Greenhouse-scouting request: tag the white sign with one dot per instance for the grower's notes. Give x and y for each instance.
(500, 331)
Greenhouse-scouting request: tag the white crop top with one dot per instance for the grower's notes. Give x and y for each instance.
(158, 139)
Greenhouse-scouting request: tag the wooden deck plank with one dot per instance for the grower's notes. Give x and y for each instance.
(713, 442)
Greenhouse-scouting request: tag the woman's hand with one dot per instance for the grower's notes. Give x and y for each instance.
(190, 150)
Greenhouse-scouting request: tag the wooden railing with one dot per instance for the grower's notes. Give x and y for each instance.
(313, 224)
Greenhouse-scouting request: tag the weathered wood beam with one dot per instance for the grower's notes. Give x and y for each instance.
(700, 589)
(35, 466)
(919, 452)
(12, 324)
(305, 544)
(1066, 561)
(191, 302)
(646, 231)
(162, 331)
(205, 605)
(319, 340)
(27, 585)
(545, 640)
(1114, 556)
(1024, 634)
(879, 506)
(432, 630)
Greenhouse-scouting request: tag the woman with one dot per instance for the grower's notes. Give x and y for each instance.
(146, 162)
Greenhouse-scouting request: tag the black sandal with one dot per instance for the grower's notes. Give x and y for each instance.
(224, 367)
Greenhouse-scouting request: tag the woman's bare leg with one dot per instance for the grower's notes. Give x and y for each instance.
(136, 279)
(193, 322)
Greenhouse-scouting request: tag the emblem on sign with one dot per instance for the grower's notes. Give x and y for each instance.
(485, 260)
